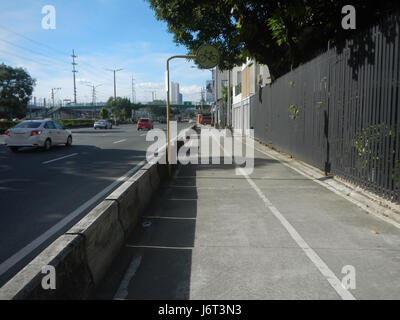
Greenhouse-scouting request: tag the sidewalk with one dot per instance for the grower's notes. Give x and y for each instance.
(275, 234)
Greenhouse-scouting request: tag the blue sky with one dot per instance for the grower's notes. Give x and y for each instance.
(106, 34)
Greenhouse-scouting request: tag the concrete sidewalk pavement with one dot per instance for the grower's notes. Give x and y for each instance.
(275, 234)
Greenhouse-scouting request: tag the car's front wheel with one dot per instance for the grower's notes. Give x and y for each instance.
(14, 149)
(47, 145)
(69, 141)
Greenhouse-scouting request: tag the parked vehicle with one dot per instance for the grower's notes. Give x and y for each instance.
(145, 123)
(102, 124)
(37, 133)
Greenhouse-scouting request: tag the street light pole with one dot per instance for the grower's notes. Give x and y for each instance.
(115, 83)
(168, 104)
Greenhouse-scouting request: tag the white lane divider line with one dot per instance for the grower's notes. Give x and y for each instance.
(50, 161)
(120, 141)
(122, 291)
(310, 253)
(25, 251)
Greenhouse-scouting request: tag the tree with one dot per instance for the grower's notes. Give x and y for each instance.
(121, 108)
(16, 87)
(135, 107)
(282, 34)
(104, 113)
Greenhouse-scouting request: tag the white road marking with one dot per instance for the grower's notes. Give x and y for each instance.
(311, 254)
(122, 292)
(21, 254)
(325, 185)
(143, 134)
(120, 141)
(50, 161)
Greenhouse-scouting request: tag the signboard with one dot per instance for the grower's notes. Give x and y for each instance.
(207, 56)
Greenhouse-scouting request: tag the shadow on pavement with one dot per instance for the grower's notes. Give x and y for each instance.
(159, 251)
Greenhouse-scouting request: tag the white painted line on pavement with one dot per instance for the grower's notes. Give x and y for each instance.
(311, 254)
(122, 292)
(50, 161)
(21, 254)
(120, 141)
(334, 190)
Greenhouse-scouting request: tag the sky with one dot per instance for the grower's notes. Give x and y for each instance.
(105, 34)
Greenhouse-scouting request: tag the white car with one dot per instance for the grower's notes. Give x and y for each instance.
(102, 124)
(37, 133)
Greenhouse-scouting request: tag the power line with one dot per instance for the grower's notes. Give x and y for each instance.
(90, 68)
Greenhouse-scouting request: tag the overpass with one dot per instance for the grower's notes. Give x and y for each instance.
(91, 110)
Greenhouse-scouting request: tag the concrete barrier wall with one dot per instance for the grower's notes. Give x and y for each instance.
(84, 253)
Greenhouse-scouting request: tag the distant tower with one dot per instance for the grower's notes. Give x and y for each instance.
(73, 72)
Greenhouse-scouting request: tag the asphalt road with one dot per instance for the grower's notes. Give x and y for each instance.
(42, 194)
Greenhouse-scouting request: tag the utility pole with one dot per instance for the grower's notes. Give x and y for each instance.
(52, 95)
(73, 72)
(133, 91)
(94, 96)
(115, 83)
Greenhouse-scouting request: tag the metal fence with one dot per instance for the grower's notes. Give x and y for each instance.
(341, 111)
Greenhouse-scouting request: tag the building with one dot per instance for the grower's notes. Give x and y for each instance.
(220, 84)
(246, 81)
(174, 93)
(210, 91)
(180, 98)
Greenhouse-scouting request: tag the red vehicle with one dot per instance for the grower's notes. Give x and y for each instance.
(204, 118)
(144, 123)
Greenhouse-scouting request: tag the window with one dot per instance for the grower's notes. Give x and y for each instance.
(58, 126)
(49, 125)
(239, 77)
(28, 124)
